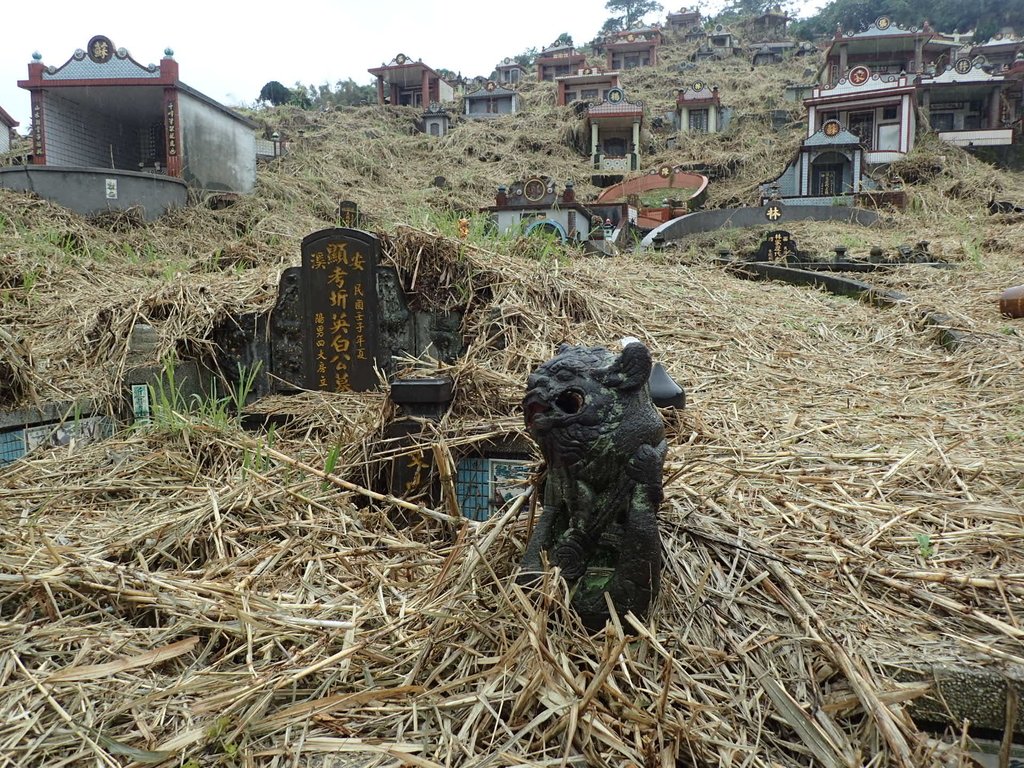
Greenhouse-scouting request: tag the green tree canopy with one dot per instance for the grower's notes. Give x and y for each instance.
(276, 93)
(629, 12)
(985, 17)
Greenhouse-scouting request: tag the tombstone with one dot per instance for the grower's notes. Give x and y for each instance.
(348, 214)
(777, 245)
(340, 310)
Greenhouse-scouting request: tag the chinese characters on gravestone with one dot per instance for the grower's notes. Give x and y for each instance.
(348, 214)
(339, 285)
(778, 245)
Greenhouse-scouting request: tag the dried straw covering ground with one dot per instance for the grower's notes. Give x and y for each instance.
(844, 496)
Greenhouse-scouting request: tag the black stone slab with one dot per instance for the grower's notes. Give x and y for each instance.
(778, 245)
(348, 214)
(287, 348)
(340, 320)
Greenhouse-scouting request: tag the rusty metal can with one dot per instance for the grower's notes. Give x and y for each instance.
(1011, 302)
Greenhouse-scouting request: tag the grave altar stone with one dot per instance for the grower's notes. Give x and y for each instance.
(340, 314)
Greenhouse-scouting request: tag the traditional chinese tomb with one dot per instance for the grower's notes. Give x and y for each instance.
(588, 84)
(615, 126)
(828, 169)
(558, 61)
(409, 83)
(109, 132)
(633, 48)
(492, 100)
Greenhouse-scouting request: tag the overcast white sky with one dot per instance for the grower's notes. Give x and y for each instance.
(229, 50)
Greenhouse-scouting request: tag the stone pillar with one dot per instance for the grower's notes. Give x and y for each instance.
(684, 120)
(593, 139)
(918, 55)
(425, 90)
(842, 60)
(635, 165)
(712, 118)
(380, 89)
(993, 108)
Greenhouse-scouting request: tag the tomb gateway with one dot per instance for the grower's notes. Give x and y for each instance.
(510, 72)
(699, 109)
(719, 43)
(615, 126)
(683, 20)
(828, 169)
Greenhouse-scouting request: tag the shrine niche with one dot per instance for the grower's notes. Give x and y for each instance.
(436, 120)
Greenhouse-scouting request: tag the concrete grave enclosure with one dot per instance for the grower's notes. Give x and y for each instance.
(124, 134)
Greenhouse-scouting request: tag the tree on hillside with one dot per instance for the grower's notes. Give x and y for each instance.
(276, 93)
(344, 93)
(611, 25)
(746, 8)
(985, 17)
(629, 12)
(526, 58)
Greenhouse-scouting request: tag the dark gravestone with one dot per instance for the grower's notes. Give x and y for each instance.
(778, 245)
(340, 324)
(286, 342)
(348, 214)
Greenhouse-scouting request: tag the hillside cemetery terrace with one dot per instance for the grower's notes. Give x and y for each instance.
(267, 479)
